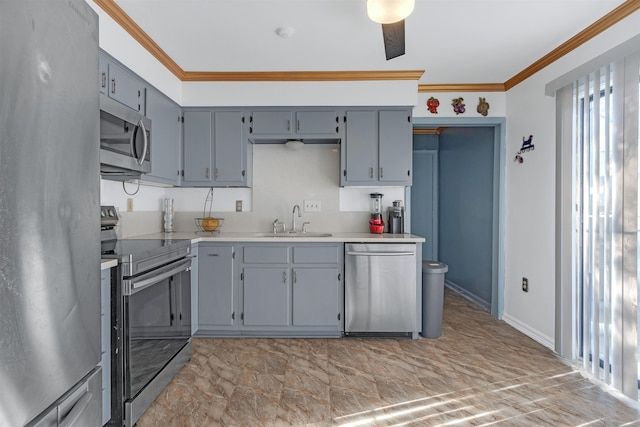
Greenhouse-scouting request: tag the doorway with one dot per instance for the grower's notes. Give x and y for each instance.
(457, 203)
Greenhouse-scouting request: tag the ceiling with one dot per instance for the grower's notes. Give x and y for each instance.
(454, 41)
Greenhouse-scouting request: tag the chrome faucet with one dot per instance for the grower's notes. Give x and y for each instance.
(293, 217)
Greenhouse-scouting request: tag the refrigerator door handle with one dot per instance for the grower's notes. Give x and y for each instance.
(78, 409)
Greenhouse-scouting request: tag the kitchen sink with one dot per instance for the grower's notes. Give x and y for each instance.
(295, 234)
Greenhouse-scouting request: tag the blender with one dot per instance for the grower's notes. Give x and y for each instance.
(376, 223)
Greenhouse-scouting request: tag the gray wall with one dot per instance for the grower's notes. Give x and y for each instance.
(465, 211)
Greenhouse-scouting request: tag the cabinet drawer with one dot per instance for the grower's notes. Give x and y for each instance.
(265, 255)
(315, 254)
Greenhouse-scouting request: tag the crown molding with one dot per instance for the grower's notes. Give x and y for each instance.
(463, 87)
(300, 76)
(125, 21)
(129, 25)
(602, 24)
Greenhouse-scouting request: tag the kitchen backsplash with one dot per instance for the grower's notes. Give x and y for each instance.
(282, 178)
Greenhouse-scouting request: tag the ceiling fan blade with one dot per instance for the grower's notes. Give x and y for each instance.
(393, 35)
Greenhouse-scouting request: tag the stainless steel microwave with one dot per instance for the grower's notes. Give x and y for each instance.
(125, 141)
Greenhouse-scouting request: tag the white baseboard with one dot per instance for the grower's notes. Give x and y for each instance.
(531, 333)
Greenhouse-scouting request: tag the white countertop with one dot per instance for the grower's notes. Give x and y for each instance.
(258, 237)
(108, 263)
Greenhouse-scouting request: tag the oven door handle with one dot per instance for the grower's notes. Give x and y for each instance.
(131, 286)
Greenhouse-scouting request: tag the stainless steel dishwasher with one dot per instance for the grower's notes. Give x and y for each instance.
(380, 289)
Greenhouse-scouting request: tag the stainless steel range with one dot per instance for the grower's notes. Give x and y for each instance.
(151, 315)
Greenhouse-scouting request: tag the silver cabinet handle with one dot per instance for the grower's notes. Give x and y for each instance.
(216, 174)
(370, 172)
(284, 276)
(297, 125)
(104, 79)
(288, 124)
(295, 277)
(381, 173)
(206, 173)
(213, 254)
(113, 85)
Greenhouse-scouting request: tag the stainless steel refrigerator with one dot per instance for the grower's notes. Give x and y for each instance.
(49, 214)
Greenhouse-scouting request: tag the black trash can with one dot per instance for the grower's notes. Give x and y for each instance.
(432, 297)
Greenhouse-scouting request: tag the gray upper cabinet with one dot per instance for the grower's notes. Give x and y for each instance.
(360, 148)
(283, 124)
(119, 83)
(215, 149)
(377, 148)
(395, 147)
(217, 290)
(197, 148)
(270, 123)
(317, 123)
(165, 118)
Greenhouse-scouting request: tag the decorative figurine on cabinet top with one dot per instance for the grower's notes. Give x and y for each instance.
(483, 106)
(458, 105)
(432, 105)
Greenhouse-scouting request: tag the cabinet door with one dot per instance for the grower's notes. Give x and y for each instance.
(270, 123)
(197, 147)
(315, 297)
(125, 87)
(360, 149)
(266, 296)
(229, 149)
(165, 143)
(395, 147)
(216, 286)
(317, 122)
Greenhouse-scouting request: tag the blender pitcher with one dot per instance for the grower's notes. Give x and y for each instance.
(376, 223)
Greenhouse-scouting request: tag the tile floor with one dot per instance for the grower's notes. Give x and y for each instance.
(479, 372)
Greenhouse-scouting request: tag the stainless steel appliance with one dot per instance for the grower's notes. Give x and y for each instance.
(380, 289)
(125, 141)
(49, 199)
(396, 217)
(151, 311)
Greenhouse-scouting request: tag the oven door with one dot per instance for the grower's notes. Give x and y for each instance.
(157, 328)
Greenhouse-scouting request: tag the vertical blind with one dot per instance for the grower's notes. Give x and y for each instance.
(604, 134)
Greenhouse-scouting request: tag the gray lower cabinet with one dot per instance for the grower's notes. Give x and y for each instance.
(215, 150)
(377, 148)
(165, 117)
(105, 329)
(292, 288)
(217, 287)
(264, 289)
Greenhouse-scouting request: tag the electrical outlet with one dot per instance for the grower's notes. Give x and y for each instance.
(525, 284)
(238, 205)
(312, 206)
(129, 204)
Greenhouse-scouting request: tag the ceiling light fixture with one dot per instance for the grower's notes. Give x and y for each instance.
(389, 11)
(294, 144)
